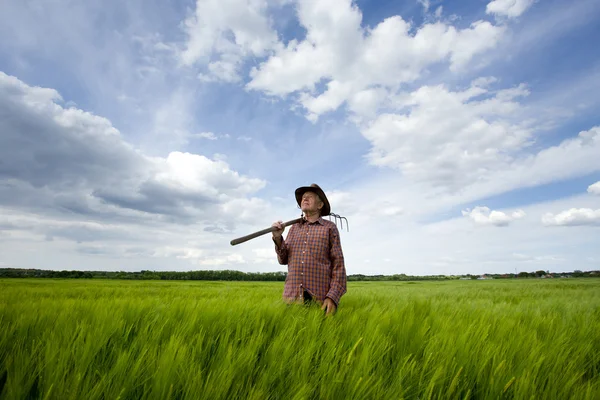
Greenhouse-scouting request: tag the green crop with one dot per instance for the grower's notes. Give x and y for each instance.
(504, 339)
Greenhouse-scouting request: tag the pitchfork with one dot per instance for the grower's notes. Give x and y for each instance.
(288, 223)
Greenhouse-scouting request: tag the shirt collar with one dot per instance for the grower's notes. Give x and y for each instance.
(320, 221)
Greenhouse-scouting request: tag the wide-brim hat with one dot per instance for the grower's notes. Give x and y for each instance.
(326, 209)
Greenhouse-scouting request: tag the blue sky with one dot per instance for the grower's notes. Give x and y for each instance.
(456, 137)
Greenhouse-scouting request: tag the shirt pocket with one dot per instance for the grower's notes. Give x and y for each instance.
(321, 244)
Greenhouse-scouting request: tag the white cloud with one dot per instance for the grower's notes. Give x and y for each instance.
(141, 89)
(366, 103)
(479, 143)
(73, 188)
(595, 188)
(205, 135)
(220, 34)
(332, 41)
(352, 59)
(574, 156)
(470, 139)
(484, 216)
(61, 159)
(508, 8)
(573, 217)
(200, 174)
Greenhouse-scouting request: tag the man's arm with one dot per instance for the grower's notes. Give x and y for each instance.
(281, 250)
(337, 287)
(280, 245)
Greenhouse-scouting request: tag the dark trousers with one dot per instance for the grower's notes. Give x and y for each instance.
(307, 297)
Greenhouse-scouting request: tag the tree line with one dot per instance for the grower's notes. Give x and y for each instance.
(229, 275)
(204, 275)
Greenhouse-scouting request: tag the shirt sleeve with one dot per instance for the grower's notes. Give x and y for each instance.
(282, 251)
(338, 274)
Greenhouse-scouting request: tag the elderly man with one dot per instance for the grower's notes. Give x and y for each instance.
(313, 253)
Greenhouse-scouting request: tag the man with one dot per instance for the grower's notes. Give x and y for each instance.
(313, 253)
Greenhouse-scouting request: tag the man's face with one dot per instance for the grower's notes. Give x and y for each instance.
(310, 202)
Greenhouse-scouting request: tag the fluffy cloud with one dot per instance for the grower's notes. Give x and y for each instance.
(141, 89)
(508, 8)
(222, 33)
(472, 135)
(573, 217)
(480, 142)
(574, 156)
(478, 146)
(595, 188)
(353, 59)
(484, 216)
(67, 160)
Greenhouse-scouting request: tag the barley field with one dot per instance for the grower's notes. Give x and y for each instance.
(109, 339)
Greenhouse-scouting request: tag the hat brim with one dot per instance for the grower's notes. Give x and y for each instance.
(326, 209)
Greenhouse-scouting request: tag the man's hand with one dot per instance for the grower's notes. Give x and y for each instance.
(279, 228)
(329, 306)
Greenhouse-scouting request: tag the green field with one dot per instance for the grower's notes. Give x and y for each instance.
(94, 339)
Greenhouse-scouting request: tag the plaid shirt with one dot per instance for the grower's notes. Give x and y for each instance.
(313, 253)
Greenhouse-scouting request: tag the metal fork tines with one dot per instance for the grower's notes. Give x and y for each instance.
(342, 219)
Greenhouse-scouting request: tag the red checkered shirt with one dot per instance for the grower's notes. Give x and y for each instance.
(313, 253)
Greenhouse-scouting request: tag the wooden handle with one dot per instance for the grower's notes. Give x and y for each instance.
(262, 232)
